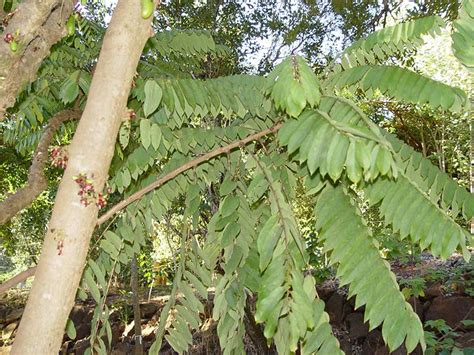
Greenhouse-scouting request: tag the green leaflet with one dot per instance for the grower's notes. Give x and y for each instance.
(183, 43)
(153, 95)
(392, 39)
(411, 212)
(462, 37)
(401, 84)
(348, 239)
(432, 180)
(70, 88)
(145, 133)
(71, 329)
(292, 85)
(335, 139)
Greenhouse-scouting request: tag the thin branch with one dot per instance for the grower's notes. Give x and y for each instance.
(37, 181)
(36, 25)
(171, 175)
(15, 280)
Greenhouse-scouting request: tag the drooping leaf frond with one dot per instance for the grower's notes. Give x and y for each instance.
(359, 264)
(233, 95)
(182, 43)
(434, 182)
(292, 85)
(233, 230)
(401, 84)
(463, 36)
(193, 280)
(403, 203)
(336, 136)
(388, 41)
(287, 302)
(175, 146)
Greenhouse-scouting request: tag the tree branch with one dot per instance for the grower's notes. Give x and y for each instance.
(171, 175)
(159, 182)
(36, 178)
(36, 26)
(15, 280)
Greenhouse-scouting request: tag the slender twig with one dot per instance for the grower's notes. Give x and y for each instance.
(159, 182)
(171, 175)
(15, 280)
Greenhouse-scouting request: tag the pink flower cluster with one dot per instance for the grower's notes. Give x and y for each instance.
(59, 157)
(88, 193)
(8, 38)
(60, 246)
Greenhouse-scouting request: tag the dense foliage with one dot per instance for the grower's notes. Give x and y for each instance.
(228, 155)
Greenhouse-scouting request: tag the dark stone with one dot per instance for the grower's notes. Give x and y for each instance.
(83, 330)
(347, 309)
(325, 292)
(80, 346)
(452, 309)
(435, 290)
(373, 343)
(345, 345)
(417, 306)
(117, 330)
(356, 326)
(81, 316)
(147, 310)
(334, 307)
(122, 349)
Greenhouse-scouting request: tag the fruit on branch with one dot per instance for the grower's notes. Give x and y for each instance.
(147, 8)
(71, 25)
(59, 157)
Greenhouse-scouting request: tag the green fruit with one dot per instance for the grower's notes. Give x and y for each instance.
(13, 46)
(71, 25)
(147, 8)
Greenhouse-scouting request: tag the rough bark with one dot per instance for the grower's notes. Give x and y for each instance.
(22, 276)
(66, 243)
(37, 181)
(36, 25)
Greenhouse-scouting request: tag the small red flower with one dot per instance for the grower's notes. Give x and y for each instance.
(8, 38)
(59, 247)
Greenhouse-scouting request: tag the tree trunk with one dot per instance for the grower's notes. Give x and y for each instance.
(136, 307)
(66, 243)
(36, 26)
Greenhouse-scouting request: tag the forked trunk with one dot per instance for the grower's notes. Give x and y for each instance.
(66, 243)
